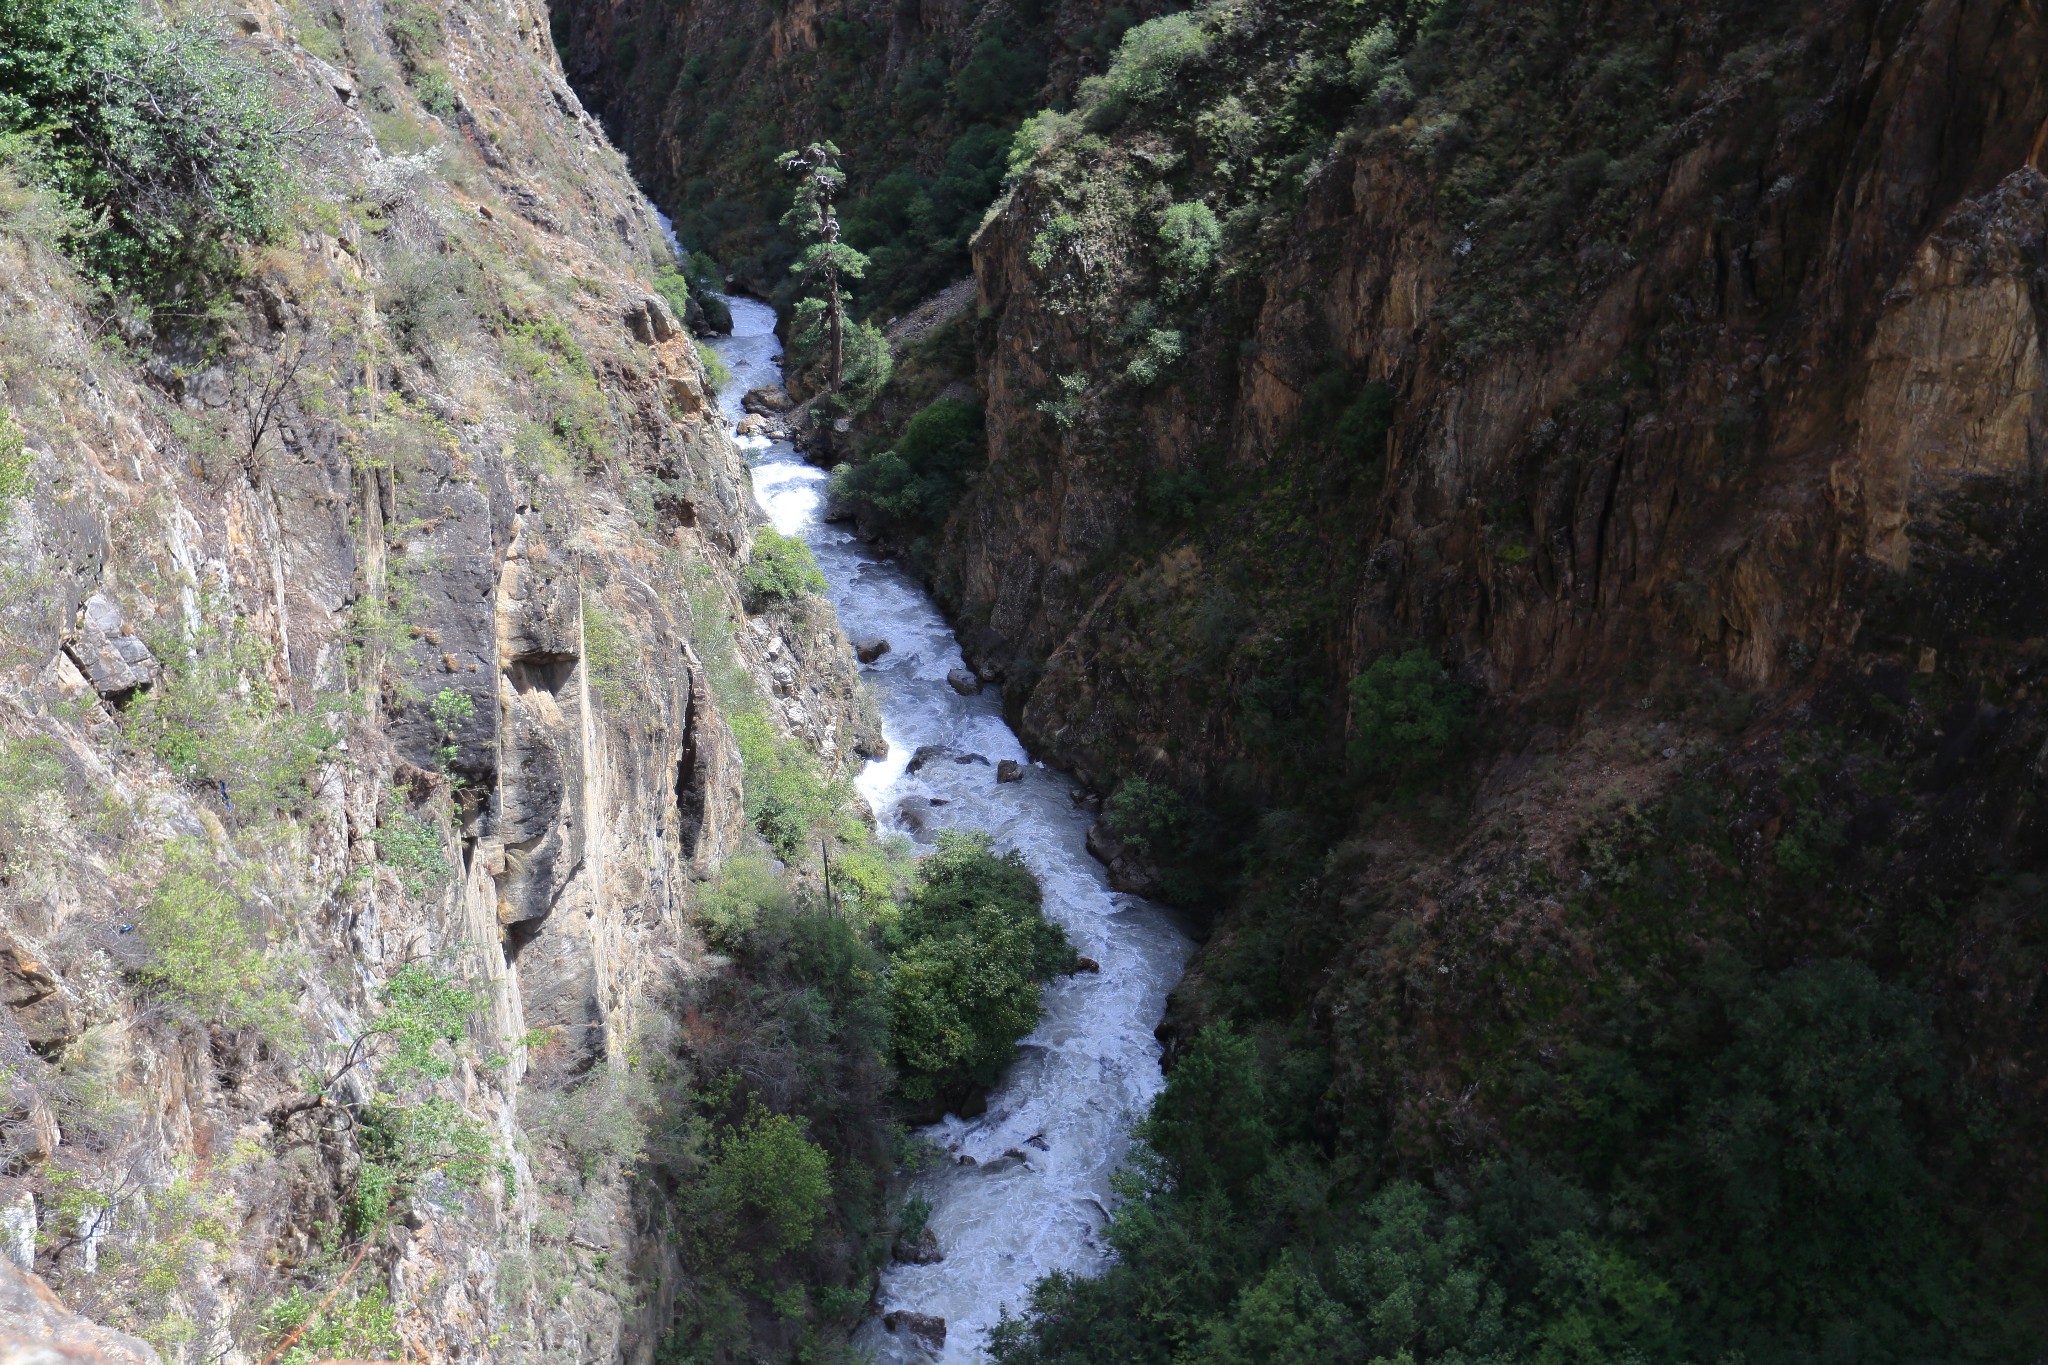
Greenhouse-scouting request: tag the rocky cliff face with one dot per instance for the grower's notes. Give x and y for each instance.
(386, 624)
(1735, 398)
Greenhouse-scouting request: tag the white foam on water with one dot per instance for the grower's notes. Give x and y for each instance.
(1087, 1074)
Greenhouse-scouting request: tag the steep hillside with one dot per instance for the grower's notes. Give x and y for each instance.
(1545, 499)
(376, 689)
(922, 97)
(1528, 514)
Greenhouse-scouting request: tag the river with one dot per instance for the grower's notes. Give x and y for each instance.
(1034, 1198)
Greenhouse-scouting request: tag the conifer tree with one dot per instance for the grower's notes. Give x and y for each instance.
(826, 262)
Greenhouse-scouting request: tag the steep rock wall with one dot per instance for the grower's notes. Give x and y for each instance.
(1816, 339)
(446, 486)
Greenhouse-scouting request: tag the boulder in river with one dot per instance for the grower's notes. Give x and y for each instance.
(1129, 871)
(965, 759)
(926, 753)
(1009, 770)
(963, 682)
(923, 1250)
(768, 400)
(923, 1328)
(867, 651)
(1086, 964)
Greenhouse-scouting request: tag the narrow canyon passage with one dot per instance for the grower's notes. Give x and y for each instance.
(1021, 1190)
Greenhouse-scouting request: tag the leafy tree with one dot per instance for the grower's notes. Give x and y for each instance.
(969, 953)
(917, 482)
(1208, 1127)
(1405, 710)
(779, 569)
(207, 952)
(768, 1163)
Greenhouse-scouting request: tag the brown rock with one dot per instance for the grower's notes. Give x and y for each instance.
(36, 1329)
(1009, 770)
(1086, 964)
(867, 651)
(23, 980)
(963, 682)
(924, 1328)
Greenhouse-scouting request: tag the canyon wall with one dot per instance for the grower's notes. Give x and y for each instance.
(1780, 371)
(389, 623)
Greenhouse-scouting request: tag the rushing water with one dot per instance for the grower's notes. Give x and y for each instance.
(1033, 1198)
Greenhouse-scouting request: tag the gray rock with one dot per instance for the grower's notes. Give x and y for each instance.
(926, 753)
(1009, 770)
(922, 1328)
(867, 651)
(965, 759)
(769, 400)
(115, 661)
(963, 682)
(1129, 871)
(923, 1251)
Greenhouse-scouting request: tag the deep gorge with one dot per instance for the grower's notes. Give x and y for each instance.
(1520, 521)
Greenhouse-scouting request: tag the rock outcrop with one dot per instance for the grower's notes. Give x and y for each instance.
(391, 624)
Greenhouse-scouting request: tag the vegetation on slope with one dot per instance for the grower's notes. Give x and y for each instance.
(1700, 1081)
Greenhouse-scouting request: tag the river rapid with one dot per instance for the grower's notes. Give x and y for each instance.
(1023, 1189)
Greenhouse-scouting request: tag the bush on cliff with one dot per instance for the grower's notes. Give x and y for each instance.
(159, 128)
(1405, 711)
(780, 570)
(914, 485)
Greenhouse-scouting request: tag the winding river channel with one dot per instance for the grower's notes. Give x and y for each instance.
(1022, 1189)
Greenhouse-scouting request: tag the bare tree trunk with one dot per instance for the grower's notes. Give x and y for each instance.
(838, 338)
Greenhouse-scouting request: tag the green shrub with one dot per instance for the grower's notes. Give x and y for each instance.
(207, 953)
(413, 847)
(1149, 61)
(600, 1125)
(422, 1011)
(1361, 430)
(1405, 711)
(769, 1164)
(1189, 237)
(1002, 76)
(214, 718)
(157, 126)
(918, 481)
(14, 468)
(967, 958)
(733, 902)
(1208, 1127)
(404, 1144)
(450, 710)
(789, 797)
(780, 569)
(716, 373)
(612, 662)
(362, 1324)
(1150, 817)
(35, 782)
